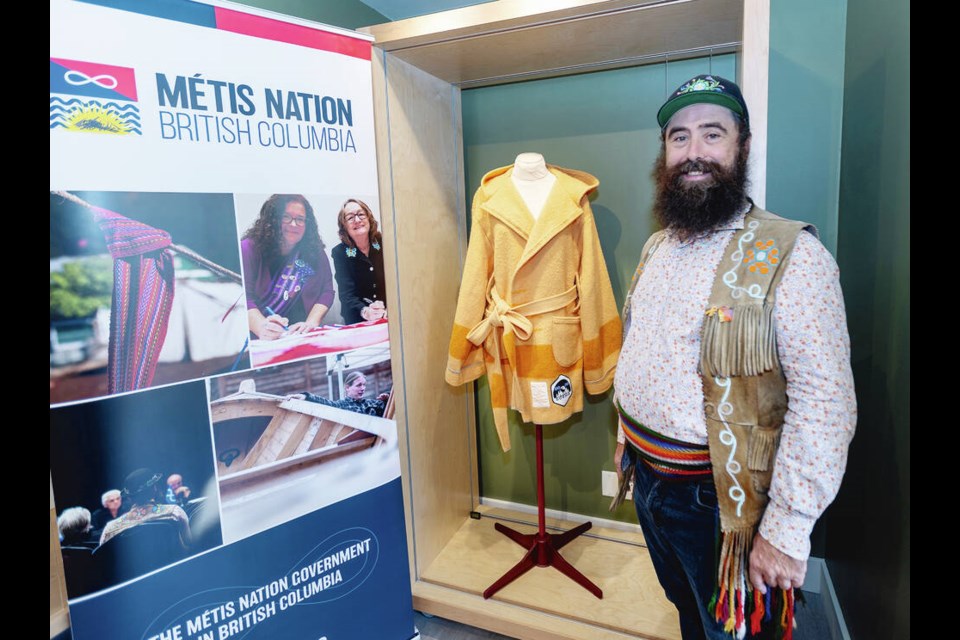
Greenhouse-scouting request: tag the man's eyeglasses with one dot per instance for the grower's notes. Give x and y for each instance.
(300, 222)
(353, 217)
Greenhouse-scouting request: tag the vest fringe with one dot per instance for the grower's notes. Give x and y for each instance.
(763, 444)
(734, 606)
(744, 345)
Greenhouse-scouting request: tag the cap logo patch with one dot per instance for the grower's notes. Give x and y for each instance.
(701, 84)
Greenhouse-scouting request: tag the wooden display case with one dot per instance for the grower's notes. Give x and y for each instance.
(420, 66)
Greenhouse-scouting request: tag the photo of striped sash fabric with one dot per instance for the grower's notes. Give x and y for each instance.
(143, 281)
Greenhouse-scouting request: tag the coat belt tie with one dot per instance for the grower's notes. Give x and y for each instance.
(498, 320)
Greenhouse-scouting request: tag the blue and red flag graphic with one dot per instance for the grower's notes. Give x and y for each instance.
(93, 97)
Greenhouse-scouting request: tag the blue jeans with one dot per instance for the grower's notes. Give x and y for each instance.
(680, 522)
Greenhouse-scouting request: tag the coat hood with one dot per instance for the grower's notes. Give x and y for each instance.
(575, 182)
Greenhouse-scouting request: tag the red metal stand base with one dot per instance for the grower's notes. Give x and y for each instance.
(542, 548)
(543, 552)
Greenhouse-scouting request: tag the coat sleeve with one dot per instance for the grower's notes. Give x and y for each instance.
(814, 346)
(319, 289)
(350, 303)
(599, 315)
(312, 397)
(465, 360)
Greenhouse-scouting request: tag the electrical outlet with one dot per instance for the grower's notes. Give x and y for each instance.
(608, 483)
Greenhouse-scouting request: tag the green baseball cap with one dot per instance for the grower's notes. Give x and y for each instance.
(704, 88)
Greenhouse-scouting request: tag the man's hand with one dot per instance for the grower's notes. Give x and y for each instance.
(770, 566)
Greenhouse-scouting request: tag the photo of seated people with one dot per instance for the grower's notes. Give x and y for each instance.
(112, 507)
(133, 484)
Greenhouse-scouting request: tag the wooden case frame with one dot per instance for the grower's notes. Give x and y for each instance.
(420, 65)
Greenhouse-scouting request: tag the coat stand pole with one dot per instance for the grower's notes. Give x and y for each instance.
(542, 548)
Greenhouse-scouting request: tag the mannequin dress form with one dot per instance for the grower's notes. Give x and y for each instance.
(533, 181)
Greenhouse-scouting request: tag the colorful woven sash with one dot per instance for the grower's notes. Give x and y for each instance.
(142, 296)
(667, 457)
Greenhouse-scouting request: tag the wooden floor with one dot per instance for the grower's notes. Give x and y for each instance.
(633, 603)
(616, 561)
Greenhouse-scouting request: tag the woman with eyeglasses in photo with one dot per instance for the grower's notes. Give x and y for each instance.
(286, 273)
(358, 262)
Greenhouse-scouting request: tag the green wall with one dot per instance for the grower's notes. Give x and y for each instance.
(868, 547)
(805, 110)
(349, 14)
(603, 123)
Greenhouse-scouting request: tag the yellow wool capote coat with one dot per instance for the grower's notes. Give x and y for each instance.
(536, 311)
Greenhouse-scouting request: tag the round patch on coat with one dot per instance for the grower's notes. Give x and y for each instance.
(561, 390)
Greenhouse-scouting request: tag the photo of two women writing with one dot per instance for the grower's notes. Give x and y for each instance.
(291, 286)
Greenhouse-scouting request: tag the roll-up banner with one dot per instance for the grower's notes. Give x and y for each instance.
(223, 452)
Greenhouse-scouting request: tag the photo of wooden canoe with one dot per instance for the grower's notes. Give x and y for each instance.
(261, 438)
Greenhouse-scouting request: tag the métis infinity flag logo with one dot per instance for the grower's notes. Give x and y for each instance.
(93, 97)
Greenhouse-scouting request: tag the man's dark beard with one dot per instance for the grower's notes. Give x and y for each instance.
(694, 208)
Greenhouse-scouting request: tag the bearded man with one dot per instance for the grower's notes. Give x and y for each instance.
(733, 387)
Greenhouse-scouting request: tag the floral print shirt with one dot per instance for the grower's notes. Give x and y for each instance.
(658, 380)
